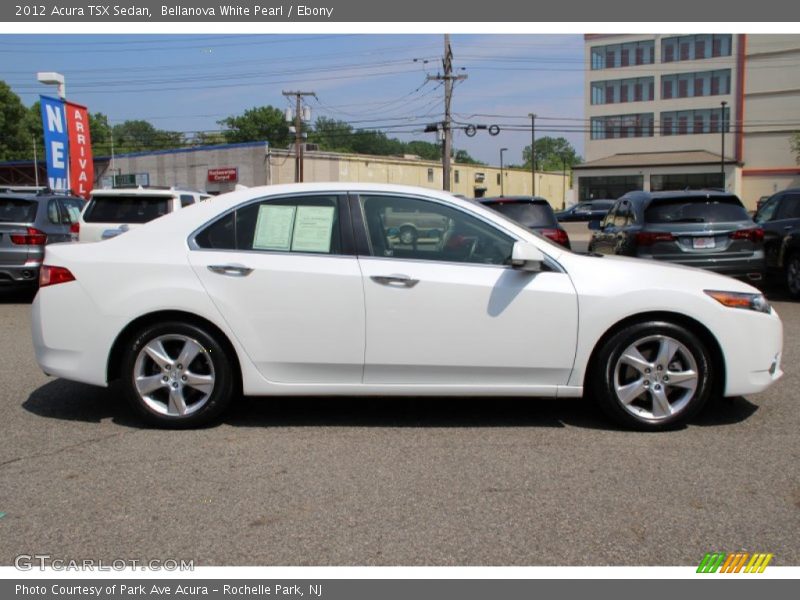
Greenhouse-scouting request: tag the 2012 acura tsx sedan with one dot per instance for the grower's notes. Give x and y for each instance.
(312, 289)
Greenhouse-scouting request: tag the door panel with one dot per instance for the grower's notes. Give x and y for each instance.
(299, 318)
(467, 324)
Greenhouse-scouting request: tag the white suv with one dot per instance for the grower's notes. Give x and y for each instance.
(110, 212)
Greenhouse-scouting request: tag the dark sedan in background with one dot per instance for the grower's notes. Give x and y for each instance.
(588, 210)
(532, 212)
(705, 229)
(779, 216)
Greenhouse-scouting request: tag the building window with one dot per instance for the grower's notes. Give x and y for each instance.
(622, 55)
(430, 175)
(685, 181)
(693, 121)
(498, 179)
(619, 90)
(455, 176)
(704, 83)
(695, 47)
(622, 126)
(608, 187)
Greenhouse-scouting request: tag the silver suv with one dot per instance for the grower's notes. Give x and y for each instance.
(114, 211)
(27, 223)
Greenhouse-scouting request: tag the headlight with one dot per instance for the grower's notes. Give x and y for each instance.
(755, 302)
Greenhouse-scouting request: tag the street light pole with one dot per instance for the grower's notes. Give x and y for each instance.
(564, 178)
(533, 153)
(722, 134)
(502, 178)
(53, 78)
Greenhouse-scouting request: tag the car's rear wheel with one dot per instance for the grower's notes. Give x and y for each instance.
(654, 375)
(177, 375)
(793, 275)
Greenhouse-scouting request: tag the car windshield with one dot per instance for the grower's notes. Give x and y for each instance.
(126, 209)
(717, 209)
(17, 210)
(529, 214)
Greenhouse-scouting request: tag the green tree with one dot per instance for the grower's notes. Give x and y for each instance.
(794, 142)
(212, 138)
(138, 136)
(463, 157)
(332, 135)
(551, 153)
(425, 150)
(257, 124)
(15, 137)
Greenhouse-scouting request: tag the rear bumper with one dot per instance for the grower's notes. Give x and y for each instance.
(750, 269)
(25, 274)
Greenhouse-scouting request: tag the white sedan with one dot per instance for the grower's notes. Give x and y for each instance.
(310, 289)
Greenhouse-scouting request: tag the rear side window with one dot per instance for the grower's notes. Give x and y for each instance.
(126, 209)
(71, 210)
(301, 224)
(529, 214)
(718, 209)
(789, 207)
(186, 200)
(17, 210)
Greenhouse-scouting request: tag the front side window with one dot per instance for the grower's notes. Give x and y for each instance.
(411, 228)
(308, 224)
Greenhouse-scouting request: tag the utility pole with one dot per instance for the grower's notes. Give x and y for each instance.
(448, 78)
(722, 152)
(533, 153)
(298, 138)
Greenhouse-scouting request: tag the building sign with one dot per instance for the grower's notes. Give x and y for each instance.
(131, 180)
(68, 146)
(81, 166)
(56, 140)
(223, 175)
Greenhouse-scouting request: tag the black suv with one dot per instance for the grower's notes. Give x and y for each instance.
(705, 229)
(779, 216)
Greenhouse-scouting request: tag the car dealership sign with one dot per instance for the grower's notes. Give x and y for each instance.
(223, 175)
(68, 146)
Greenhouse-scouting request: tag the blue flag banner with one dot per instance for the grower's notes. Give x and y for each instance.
(56, 140)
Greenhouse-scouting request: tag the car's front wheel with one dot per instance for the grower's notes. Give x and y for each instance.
(652, 376)
(177, 375)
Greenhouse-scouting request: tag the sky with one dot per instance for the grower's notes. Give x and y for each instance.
(187, 82)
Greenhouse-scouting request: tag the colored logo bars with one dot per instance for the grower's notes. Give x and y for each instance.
(734, 562)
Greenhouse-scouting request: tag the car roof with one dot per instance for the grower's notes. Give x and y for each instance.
(141, 191)
(33, 196)
(510, 199)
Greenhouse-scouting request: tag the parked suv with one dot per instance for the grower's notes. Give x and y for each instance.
(779, 215)
(705, 229)
(27, 223)
(114, 211)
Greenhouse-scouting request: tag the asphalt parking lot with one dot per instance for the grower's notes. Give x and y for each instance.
(391, 481)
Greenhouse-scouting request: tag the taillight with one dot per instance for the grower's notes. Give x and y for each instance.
(75, 230)
(754, 235)
(49, 275)
(32, 237)
(648, 238)
(559, 236)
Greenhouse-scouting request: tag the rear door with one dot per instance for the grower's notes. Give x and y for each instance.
(282, 273)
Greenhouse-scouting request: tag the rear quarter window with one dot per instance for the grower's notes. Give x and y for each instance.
(126, 209)
(719, 209)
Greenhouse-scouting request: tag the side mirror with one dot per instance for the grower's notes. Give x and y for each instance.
(526, 257)
(594, 225)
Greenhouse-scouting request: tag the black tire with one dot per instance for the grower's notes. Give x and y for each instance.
(792, 275)
(202, 404)
(642, 411)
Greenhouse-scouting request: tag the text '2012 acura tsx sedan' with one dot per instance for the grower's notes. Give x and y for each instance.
(311, 289)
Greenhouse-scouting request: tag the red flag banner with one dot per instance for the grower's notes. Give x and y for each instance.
(81, 166)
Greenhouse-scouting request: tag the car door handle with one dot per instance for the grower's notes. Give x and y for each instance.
(787, 227)
(230, 270)
(395, 280)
